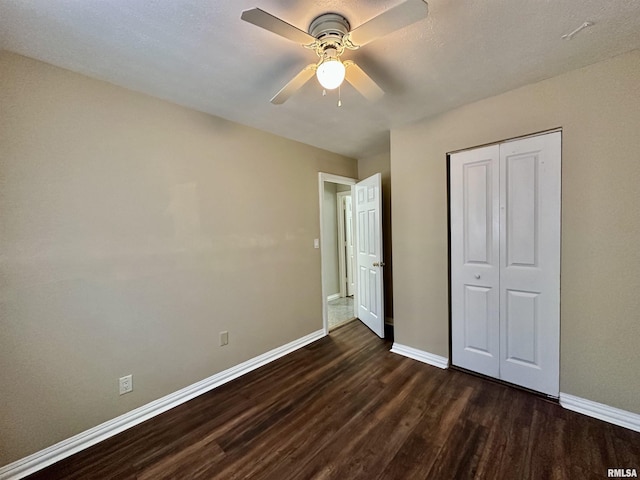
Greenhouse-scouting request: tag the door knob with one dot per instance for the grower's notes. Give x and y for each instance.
(477, 276)
(376, 264)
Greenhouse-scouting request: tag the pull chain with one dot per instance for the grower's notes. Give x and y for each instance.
(339, 97)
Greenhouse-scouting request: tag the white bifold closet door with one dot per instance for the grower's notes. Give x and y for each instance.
(505, 261)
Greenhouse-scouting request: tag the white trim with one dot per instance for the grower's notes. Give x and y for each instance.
(420, 355)
(601, 411)
(335, 296)
(39, 460)
(330, 177)
(512, 139)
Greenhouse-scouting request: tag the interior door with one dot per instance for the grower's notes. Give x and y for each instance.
(530, 262)
(475, 260)
(368, 209)
(348, 212)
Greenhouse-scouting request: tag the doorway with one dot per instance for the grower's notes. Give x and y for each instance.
(337, 251)
(368, 287)
(341, 309)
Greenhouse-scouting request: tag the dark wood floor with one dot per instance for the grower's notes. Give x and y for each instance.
(346, 408)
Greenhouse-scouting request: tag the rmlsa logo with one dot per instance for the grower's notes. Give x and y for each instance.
(622, 473)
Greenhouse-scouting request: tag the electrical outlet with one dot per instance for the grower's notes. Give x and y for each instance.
(126, 384)
(224, 338)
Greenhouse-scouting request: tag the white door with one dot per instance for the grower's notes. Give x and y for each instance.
(505, 261)
(368, 209)
(346, 255)
(530, 262)
(475, 260)
(348, 213)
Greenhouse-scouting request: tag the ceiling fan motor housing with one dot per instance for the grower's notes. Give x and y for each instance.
(329, 29)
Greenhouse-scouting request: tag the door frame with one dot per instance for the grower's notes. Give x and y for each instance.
(340, 180)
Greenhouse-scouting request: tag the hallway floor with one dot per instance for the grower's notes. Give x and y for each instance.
(340, 312)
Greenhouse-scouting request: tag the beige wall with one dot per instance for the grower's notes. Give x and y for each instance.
(132, 232)
(367, 166)
(598, 108)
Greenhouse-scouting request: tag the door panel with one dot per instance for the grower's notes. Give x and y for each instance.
(475, 260)
(522, 200)
(362, 233)
(371, 230)
(368, 209)
(477, 319)
(373, 282)
(530, 262)
(521, 324)
(363, 291)
(477, 212)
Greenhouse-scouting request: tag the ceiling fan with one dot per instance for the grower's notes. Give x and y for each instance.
(329, 35)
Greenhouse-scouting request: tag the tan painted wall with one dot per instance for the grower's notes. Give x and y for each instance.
(132, 232)
(367, 166)
(598, 108)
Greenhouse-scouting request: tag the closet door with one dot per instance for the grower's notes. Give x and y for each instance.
(505, 261)
(530, 262)
(475, 260)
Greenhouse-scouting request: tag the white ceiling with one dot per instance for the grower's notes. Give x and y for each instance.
(198, 53)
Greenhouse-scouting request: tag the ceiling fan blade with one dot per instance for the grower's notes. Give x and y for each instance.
(294, 85)
(362, 82)
(400, 16)
(267, 21)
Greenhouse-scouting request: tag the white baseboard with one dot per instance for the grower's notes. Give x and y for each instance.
(422, 356)
(335, 296)
(39, 460)
(601, 411)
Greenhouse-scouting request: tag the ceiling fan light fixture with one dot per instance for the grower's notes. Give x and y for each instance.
(330, 73)
(329, 34)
